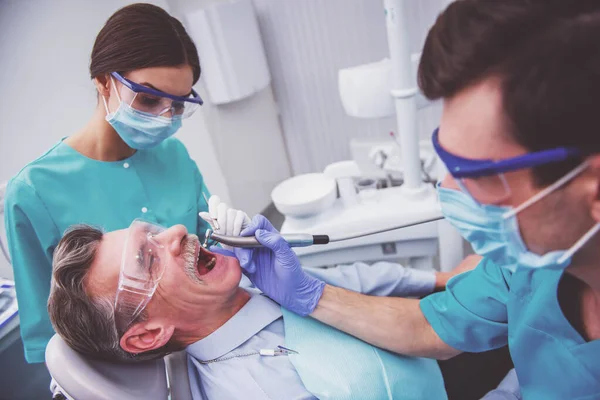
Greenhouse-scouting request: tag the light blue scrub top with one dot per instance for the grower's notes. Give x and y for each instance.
(63, 187)
(489, 307)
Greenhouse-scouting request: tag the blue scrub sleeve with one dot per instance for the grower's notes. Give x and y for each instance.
(380, 279)
(32, 236)
(470, 315)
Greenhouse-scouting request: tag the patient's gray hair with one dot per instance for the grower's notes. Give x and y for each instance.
(84, 321)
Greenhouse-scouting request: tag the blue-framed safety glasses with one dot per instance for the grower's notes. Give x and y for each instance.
(142, 268)
(155, 103)
(484, 180)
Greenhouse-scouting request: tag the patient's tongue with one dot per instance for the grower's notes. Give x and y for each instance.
(202, 270)
(206, 262)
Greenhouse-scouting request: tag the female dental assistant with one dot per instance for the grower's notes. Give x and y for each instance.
(122, 165)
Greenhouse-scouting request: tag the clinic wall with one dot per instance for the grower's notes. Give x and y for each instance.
(307, 42)
(247, 136)
(46, 90)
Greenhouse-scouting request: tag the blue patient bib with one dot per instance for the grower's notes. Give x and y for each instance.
(335, 365)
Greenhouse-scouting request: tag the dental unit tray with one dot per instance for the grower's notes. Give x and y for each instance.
(392, 227)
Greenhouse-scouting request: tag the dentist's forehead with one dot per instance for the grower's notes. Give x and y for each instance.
(474, 125)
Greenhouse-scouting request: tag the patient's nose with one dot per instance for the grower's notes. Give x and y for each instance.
(172, 238)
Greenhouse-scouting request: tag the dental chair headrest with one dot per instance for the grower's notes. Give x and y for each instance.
(86, 379)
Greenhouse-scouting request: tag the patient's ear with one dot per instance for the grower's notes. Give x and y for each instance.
(146, 336)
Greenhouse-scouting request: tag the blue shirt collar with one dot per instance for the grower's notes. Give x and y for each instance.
(257, 313)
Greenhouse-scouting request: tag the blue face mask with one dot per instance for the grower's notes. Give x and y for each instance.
(138, 130)
(493, 231)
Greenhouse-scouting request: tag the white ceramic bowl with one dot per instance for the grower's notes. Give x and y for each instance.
(304, 195)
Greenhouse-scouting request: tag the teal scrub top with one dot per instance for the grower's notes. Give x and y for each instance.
(489, 307)
(63, 187)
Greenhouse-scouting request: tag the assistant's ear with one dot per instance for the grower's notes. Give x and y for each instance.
(594, 163)
(146, 336)
(102, 83)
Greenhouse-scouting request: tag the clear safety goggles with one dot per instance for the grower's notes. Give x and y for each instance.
(142, 267)
(153, 102)
(484, 180)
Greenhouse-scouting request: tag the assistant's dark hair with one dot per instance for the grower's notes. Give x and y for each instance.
(142, 36)
(547, 56)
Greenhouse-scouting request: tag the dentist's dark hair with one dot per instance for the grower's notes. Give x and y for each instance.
(142, 36)
(546, 54)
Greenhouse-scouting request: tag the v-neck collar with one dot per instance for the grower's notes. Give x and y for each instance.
(257, 313)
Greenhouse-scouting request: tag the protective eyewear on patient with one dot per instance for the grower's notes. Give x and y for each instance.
(153, 102)
(484, 179)
(142, 267)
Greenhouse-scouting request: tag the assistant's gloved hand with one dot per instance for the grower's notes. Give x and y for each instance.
(276, 270)
(230, 221)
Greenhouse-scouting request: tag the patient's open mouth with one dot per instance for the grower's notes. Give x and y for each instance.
(206, 261)
(198, 261)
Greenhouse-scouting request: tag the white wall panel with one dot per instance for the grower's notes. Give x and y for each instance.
(307, 42)
(245, 136)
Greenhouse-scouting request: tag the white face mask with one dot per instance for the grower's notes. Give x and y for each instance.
(493, 231)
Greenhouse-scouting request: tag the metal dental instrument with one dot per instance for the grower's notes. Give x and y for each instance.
(301, 239)
(206, 238)
(213, 222)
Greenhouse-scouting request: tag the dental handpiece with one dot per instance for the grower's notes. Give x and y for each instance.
(248, 242)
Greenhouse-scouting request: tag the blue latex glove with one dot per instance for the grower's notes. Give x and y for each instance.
(276, 270)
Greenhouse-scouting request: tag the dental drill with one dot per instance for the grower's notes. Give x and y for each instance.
(300, 239)
(249, 242)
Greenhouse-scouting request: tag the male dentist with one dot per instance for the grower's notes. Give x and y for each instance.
(519, 134)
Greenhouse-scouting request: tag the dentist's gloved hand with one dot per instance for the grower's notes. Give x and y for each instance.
(276, 270)
(230, 221)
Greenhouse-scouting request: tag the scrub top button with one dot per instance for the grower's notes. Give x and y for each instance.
(144, 210)
(126, 165)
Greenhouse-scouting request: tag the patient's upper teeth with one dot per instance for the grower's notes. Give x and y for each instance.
(210, 265)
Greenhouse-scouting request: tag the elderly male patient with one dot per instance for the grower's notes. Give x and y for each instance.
(145, 291)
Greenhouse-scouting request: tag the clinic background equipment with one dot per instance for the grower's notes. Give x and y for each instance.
(406, 229)
(373, 222)
(8, 302)
(391, 186)
(2, 245)
(229, 43)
